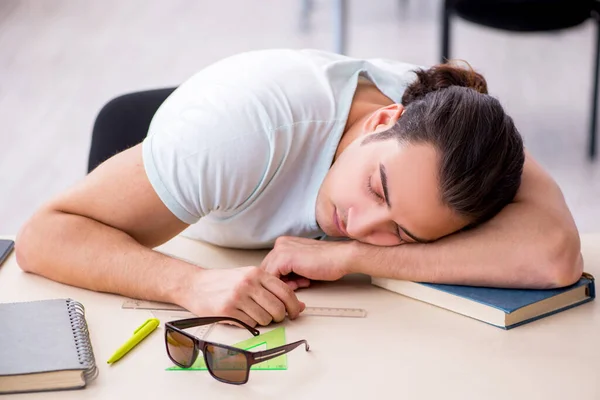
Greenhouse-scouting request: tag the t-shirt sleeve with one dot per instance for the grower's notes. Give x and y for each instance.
(205, 154)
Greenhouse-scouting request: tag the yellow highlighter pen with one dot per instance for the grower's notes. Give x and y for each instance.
(138, 335)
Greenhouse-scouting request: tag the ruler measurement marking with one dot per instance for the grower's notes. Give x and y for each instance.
(309, 311)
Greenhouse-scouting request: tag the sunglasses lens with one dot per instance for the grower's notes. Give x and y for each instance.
(180, 348)
(226, 364)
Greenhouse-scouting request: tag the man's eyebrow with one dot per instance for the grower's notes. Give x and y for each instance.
(386, 197)
(383, 177)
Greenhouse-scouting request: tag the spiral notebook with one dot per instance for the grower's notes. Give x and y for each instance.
(44, 345)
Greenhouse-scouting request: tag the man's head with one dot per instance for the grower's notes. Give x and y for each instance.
(448, 158)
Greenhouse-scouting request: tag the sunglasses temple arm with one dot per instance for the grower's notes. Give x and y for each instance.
(265, 355)
(192, 322)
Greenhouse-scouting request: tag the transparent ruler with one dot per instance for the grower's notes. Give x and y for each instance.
(314, 311)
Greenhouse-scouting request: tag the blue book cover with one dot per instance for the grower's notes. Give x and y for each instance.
(511, 300)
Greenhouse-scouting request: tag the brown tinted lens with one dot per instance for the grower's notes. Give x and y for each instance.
(227, 364)
(180, 348)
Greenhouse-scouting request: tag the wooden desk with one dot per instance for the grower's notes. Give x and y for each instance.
(403, 349)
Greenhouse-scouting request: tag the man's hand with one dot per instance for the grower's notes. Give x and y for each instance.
(247, 293)
(298, 260)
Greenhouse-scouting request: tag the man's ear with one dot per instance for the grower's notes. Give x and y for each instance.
(383, 119)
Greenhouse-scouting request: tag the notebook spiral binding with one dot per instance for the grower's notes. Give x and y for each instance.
(82, 339)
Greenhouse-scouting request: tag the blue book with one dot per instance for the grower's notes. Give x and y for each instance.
(504, 308)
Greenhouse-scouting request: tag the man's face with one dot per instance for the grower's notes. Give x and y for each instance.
(385, 193)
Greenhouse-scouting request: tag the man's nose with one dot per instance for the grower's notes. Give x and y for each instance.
(361, 224)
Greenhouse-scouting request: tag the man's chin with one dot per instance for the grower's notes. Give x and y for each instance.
(330, 230)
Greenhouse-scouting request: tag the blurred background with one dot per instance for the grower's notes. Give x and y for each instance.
(62, 60)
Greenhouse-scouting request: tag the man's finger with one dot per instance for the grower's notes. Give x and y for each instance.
(297, 283)
(256, 312)
(302, 282)
(283, 292)
(275, 268)
(270, 303)
(292, 285)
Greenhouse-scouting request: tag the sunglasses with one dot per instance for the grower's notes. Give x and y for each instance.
(225, 363)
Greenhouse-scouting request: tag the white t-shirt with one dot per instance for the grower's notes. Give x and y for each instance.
(240, 150)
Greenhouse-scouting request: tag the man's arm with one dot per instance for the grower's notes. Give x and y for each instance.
(532, 243)
(99, 235)
(80, 237)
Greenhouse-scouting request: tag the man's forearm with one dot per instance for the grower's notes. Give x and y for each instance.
(82, 252)
(508, 252)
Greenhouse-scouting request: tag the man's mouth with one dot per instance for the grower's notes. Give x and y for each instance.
(339, 223)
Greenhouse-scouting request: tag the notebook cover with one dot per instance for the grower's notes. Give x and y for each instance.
(43, 336)
(549, 313)
(6, 247)
(510, 300)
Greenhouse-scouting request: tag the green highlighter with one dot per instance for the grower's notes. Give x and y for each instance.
(138, 335)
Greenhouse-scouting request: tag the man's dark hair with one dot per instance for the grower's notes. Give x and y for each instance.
(480, 150)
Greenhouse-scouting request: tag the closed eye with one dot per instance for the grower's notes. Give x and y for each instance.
(372, 191)
(381, 199)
